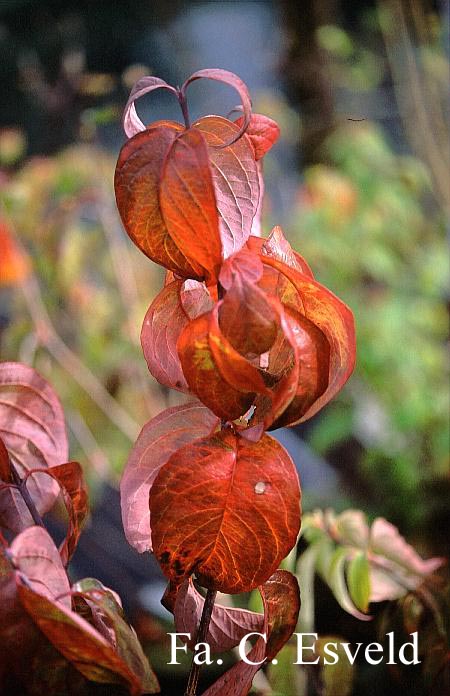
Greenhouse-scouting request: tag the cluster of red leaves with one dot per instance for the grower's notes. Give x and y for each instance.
(242, 325)
(54, 638)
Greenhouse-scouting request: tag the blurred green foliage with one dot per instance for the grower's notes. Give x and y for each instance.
(369, 227)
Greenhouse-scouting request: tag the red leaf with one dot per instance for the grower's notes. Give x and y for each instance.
(137, 181)
(43, 590)
(169, 313)
(281, 599)
(227, 627)
(233, 80)
(70, 478)
(188, 202)
(5, 469)
(132, 124)
(236, 183)
(158, 440)
(79, 642)
(262, 131)
(33, 431)
(223, 380)
(335, 320)
(227, 509)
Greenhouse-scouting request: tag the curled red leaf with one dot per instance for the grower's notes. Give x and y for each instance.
(132, 124)
(228, 78)
(281, 600)
(227, 509)
(227, 627)
(70, 478)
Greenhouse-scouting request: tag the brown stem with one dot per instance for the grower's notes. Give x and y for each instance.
(27, 499)
(202, 633)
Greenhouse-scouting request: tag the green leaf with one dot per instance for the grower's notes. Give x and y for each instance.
(358, 579)
(336, 581)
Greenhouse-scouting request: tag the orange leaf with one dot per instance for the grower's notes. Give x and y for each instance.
(14, 263)
(137, 182)
(188, 202)
(226, 509)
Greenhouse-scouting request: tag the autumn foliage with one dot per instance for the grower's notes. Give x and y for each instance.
(242, 327)
(246, 332)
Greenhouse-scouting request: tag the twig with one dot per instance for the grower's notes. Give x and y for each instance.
(72, 363)
(89, 444)
(202, 633)
(21, 486)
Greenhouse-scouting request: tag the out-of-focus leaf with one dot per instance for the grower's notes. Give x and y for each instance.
(158, 440)
(228, 624)
(336, 579)
(79, 642)
(358, 579)
(70, 478)
(337, 679)
(15, 266)
(33, 431)
(215, 509)
(281, 599)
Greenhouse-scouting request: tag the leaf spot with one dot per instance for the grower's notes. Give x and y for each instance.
(260, 487)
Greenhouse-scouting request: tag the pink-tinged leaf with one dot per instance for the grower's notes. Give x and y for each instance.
(33, 431)
(73, 488)
(395, 566)
(226, 509)
(132, 124)
(34, 554)
(278, 247)
(236, 182)
(158, 440)
(257, 220)
(233, 80)
(262, 131)
(188, 202)
(281, 600)
(228, 624)
(163, 323)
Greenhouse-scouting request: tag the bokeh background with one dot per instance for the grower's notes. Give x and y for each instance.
(359, 181)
